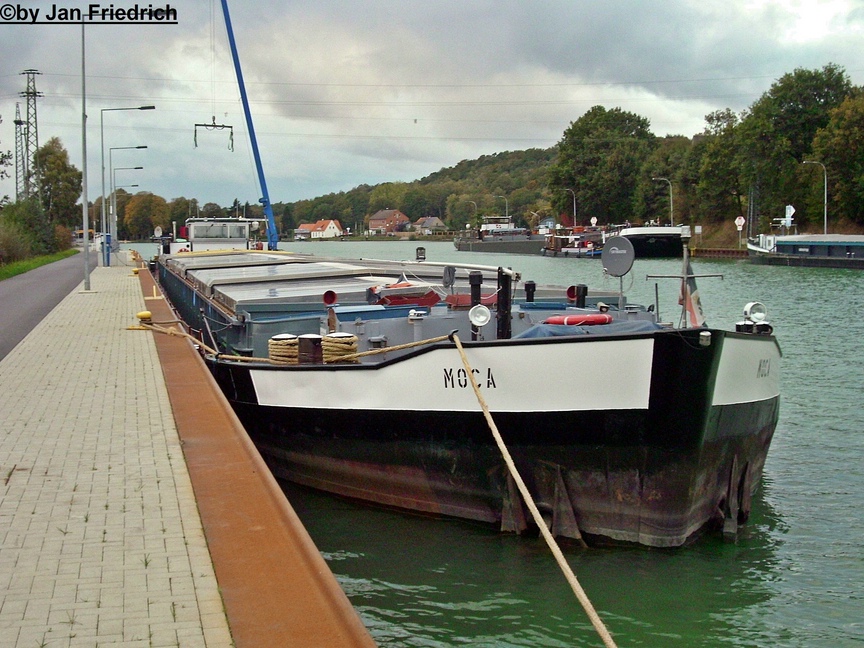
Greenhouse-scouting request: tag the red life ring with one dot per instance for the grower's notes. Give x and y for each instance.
(586, 319)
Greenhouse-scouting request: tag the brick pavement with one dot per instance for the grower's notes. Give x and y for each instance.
(100, 538)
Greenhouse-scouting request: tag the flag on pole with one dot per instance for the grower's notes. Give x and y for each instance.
(689, 299)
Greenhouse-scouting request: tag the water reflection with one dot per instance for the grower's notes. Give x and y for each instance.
(419, 581)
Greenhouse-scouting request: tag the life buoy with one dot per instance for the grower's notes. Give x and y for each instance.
(585, 319)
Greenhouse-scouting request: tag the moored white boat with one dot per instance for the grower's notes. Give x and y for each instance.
(808, 250)
(654, 241)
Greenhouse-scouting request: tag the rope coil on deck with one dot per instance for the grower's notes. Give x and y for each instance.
(535, 512)
(283, 349)
(339, 347)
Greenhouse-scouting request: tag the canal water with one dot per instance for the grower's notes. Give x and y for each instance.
(795, 577)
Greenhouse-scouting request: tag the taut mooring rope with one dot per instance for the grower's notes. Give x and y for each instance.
(398, 347)
(153, 326)
(535, 513)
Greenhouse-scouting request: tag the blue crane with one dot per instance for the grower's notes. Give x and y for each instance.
(272, 233)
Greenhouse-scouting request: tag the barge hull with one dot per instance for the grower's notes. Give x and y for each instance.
(631, 491)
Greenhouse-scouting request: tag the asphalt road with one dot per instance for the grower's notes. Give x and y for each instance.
(25, 299)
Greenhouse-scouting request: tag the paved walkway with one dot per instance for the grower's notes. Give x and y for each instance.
(100, 538)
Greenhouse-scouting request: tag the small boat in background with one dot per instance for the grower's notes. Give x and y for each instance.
(199, 234)
(500, 235)
(808, 250)
(654, 241)
(576, 243)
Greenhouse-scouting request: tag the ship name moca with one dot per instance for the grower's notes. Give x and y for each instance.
(454, 378)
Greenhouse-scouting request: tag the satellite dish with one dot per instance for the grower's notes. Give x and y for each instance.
(157, 232)
(617, 256)
(479, 315)
(254, 226)
(449, 276)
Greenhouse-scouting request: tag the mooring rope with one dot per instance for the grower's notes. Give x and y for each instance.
(535, 513)
(153, 326)
(398, 347)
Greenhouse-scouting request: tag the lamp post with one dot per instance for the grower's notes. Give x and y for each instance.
(666, 180)
(112, 224)
(85, 210)
(114, 189)
(102, 147)
(824, 193)
(574, 204)
(506, 207)
(474, 221)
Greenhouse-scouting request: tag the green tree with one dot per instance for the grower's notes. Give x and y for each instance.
(599, 158)
(358, 199)
(59, 183)
(121, 198)
(26, 221)
(465, 209)
(212, 210)
(388, 195)
(840, 147)
(145, 212)
(651, 197)
(720, 187)
(778, 130)
(179, 209)
(285, 218)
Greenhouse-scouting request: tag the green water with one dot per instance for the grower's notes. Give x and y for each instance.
(794, 578)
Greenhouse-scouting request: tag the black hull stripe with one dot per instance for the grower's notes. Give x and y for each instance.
(623, 479)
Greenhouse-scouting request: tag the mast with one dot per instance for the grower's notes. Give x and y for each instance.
(272, 233)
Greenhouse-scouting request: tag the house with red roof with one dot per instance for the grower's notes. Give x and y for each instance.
(320, 230)
(385, 221)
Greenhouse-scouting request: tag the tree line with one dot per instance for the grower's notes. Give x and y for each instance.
(802, 139)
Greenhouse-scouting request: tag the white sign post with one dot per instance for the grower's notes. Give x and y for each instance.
(739, 223)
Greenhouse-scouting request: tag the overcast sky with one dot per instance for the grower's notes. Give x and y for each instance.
(351, 92)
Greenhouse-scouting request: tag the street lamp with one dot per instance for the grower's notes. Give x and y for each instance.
(474, 220)
(114, 190)
(506, 207)
(112, 224)
(824, 192)
(666, 180)
(102, 147)
(574, 204)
